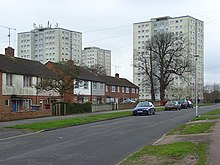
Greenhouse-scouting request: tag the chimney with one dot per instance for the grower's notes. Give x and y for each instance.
(70, 62)
(9, 51)
(116, 75)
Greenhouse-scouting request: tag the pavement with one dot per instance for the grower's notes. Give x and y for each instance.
(6, 133)
(214, 145)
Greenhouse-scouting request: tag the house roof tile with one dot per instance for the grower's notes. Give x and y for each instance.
(117, 81)
(22, 66)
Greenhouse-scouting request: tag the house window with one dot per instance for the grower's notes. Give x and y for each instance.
(27, 81)
(7, 102)
(122, 89)
(27, 103)
(113, 88)
(94, 85)
(86, 85)
(118, 89)
(133, 90)
(81, 84)
(106, 88)
(101, 86)
(76, 84)
(127, 89)
(136, 91)
(8, 79)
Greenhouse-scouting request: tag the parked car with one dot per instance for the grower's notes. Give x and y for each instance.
(183, 103)
(172, 105)
(190, 104)
(144, 108)
(128, 101)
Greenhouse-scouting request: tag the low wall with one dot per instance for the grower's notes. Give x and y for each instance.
(109, 107)
(126, 106)
(98, 108)
(24, 115)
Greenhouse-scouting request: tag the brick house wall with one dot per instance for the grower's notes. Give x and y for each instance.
(1, 102)
(120, 94)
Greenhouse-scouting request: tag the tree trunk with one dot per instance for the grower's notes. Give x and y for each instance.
(152, 91)
(162, 92)
(152, 76)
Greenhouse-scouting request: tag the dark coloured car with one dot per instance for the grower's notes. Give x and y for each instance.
(172, 105)
(183, 103)
(144, 108)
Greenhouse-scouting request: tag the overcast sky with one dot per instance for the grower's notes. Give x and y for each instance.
(108, 24)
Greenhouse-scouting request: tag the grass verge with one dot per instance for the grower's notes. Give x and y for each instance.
(194, 128)
(158, 109)
(211, 115)
(175, 153)
(71, 121)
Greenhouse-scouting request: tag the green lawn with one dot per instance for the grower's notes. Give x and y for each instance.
(214, 112)
(71, 121)
(160, 109)
(211, 115)
(168, 154)
(194, 128)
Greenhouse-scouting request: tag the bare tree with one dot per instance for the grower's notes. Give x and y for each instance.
(146, 68)
(62, 81)
(212, 92)
(99, 69)
(165, 58)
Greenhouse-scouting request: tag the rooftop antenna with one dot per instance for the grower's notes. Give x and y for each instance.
(116, 66)
(9, 33)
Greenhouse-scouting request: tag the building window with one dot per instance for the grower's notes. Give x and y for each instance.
(106, 88)
(101, 86)
(94, 85)
(133, 90)
(127, 89)
(7, 102)
(76, 84)
(136, 91)
(27, 81)
(86, 85)
(118, 89)
(8, 79)
(122, 89)
(27, 103)
(113, 88)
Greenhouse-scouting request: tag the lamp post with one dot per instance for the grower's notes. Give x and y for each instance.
(196, 84)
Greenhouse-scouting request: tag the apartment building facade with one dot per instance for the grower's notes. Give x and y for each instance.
(193, 31)
(94, 56)
(50, 44)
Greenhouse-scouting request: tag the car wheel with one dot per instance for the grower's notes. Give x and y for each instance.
(153, 112)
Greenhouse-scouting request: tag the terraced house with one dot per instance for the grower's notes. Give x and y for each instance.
(89, 86)
(18, 78)
(119, 89)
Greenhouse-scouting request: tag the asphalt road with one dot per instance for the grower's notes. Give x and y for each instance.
(100, 143)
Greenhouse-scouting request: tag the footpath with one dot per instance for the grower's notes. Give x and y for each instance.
(213, 138)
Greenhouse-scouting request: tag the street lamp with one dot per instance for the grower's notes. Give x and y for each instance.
(196, 84)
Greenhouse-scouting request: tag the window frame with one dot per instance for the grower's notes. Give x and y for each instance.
(113, 88)
(9, 79)
(27, 81)
(127, 90)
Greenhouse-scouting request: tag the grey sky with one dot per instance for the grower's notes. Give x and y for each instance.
(108, 24)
